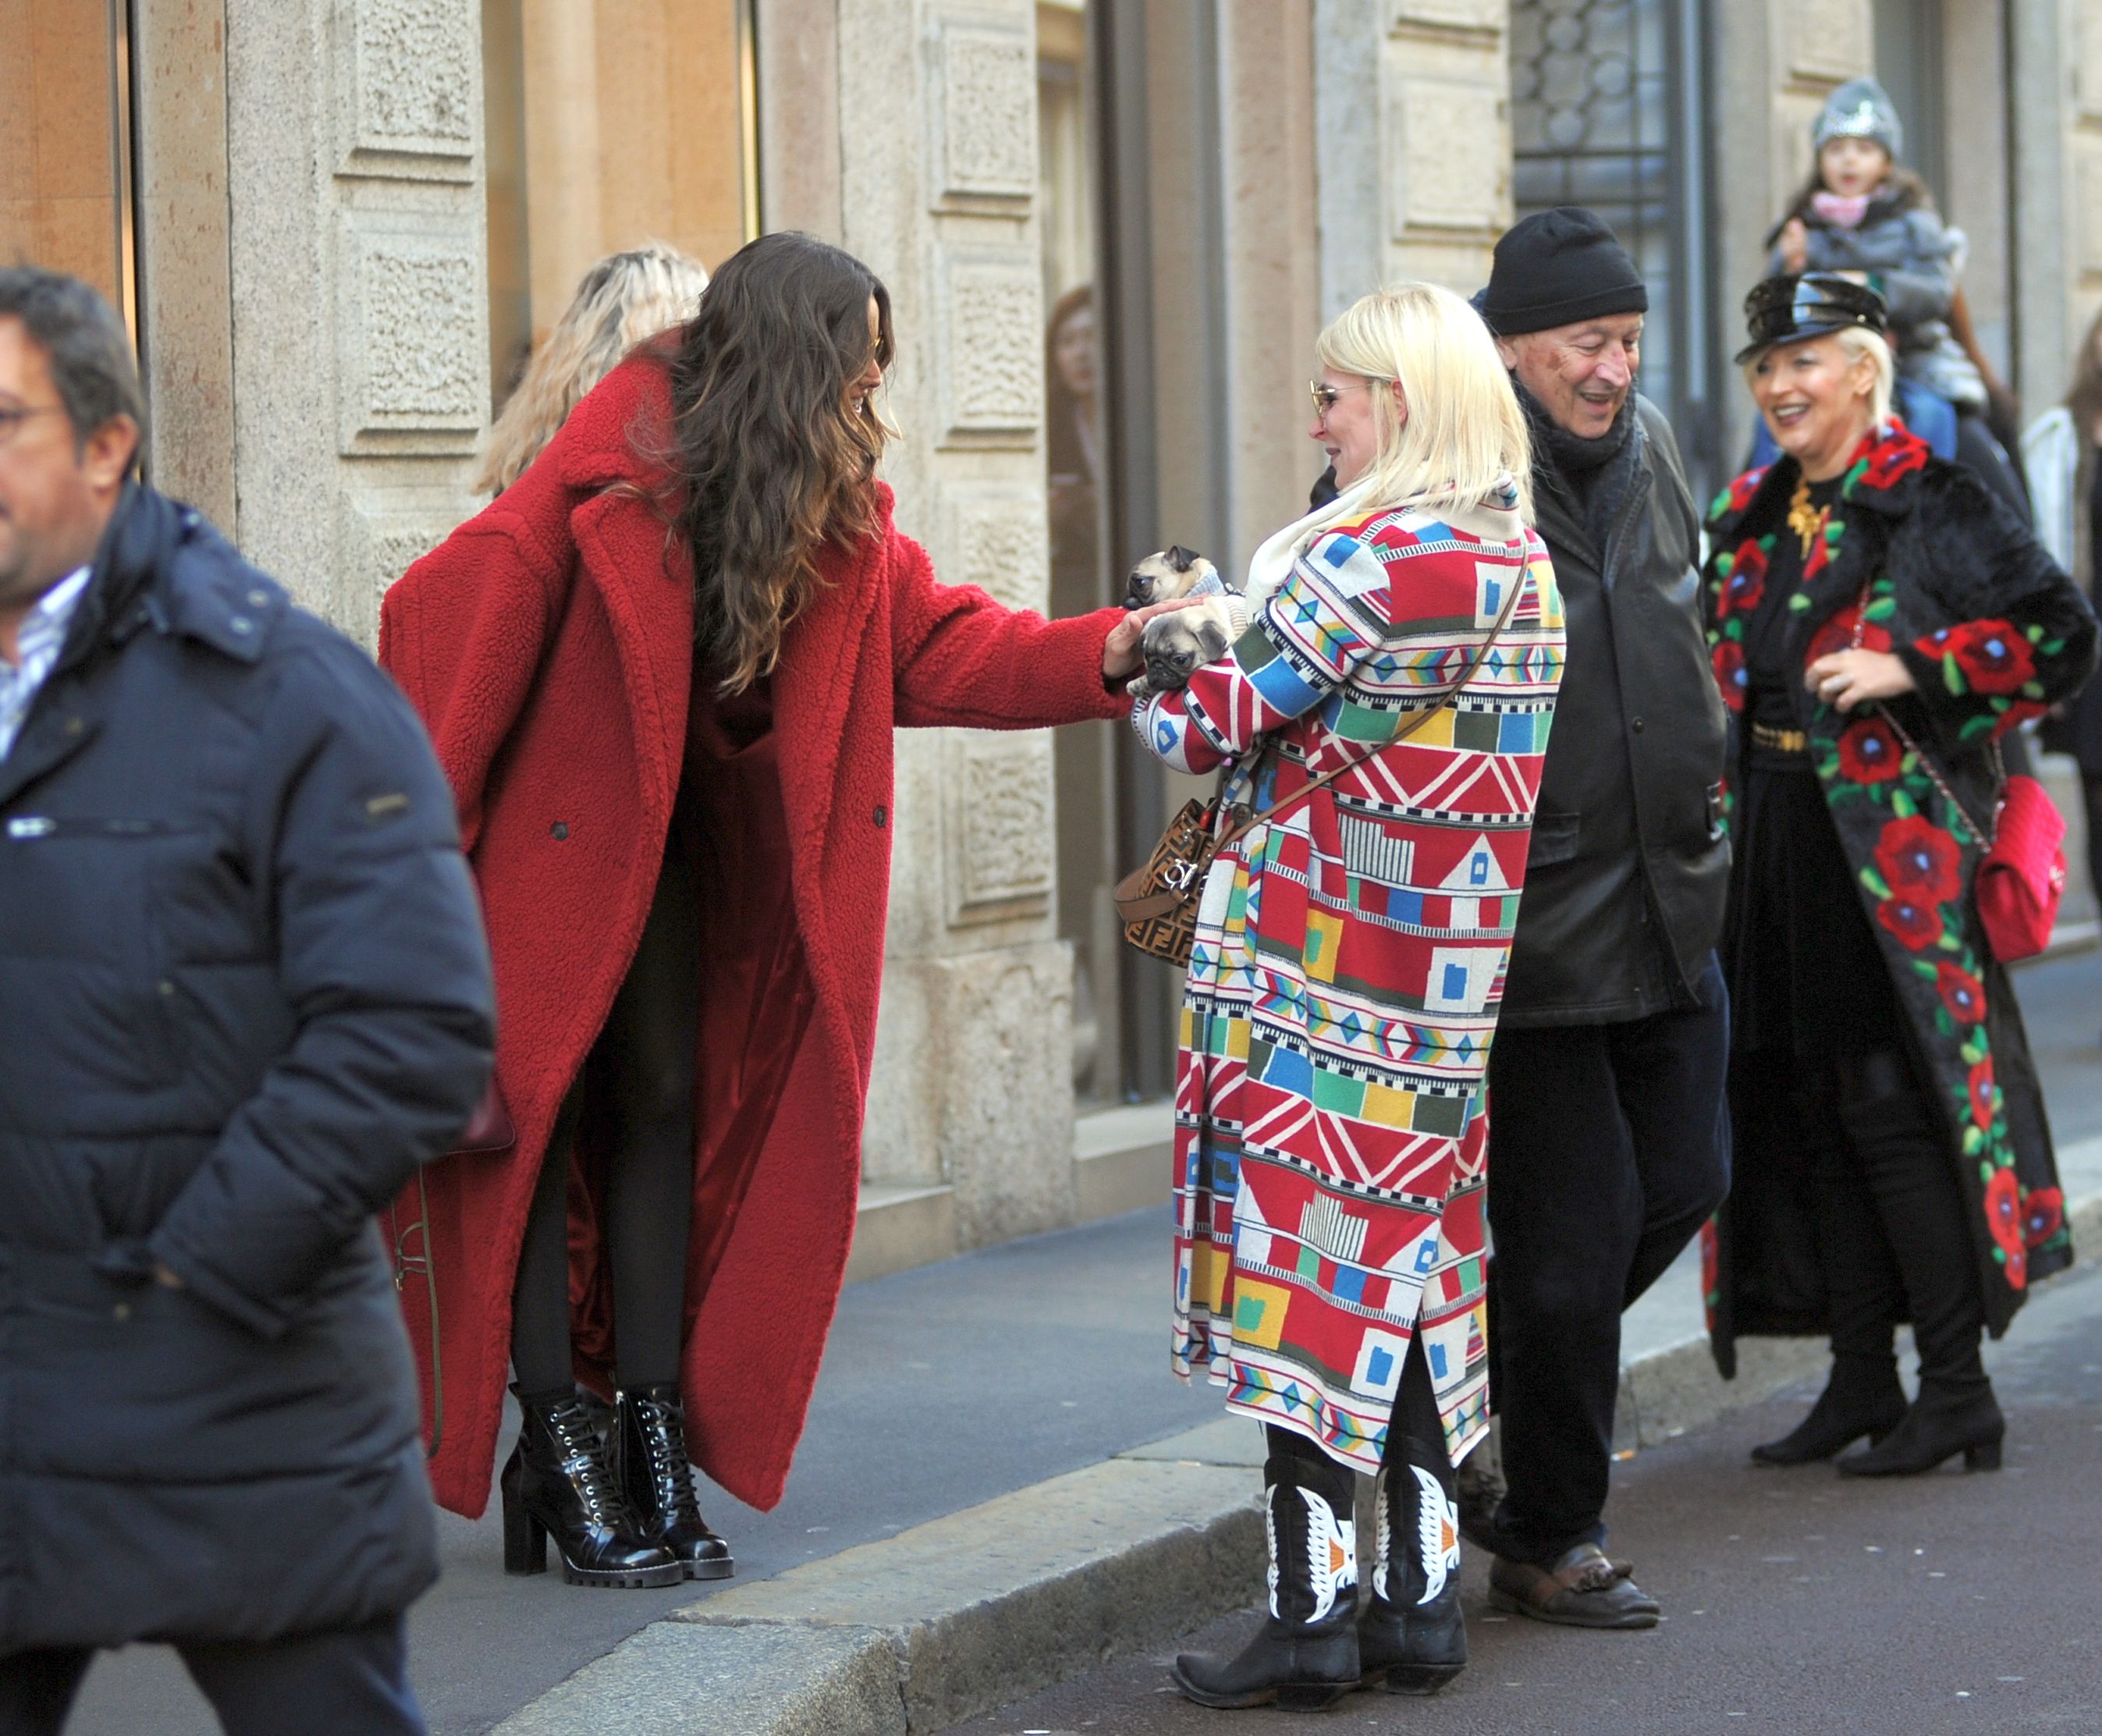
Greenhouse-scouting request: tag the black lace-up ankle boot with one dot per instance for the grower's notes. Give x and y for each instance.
(649, 1449)
(560, 1481)
(1412, 1639)
(1305, 1657)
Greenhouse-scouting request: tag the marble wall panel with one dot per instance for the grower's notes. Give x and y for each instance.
(411, 88)
(1829, 39)
(991, 354)
(985, 110)
(998, 537)
(998, 798)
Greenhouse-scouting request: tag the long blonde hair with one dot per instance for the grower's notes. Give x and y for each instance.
(1464, 436)
(623, 299)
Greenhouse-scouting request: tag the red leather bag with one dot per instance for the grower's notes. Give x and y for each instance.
(2023, 876)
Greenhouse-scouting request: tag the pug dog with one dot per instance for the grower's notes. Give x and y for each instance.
(1176, 644)
(1173, 573)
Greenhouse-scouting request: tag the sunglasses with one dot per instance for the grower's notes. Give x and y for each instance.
(1324, 395)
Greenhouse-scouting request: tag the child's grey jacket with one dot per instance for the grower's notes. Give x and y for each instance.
(1915, 258)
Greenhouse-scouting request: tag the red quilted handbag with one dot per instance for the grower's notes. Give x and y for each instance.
(2023, 876)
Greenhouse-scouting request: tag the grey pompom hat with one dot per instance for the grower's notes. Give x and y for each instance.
(1860, 109)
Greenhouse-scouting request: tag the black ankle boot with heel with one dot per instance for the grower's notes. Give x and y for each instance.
(1412, 1638)
(1861, 1397)
(559, 1482)
(1941, 1423)
(1305, 1657)
(657, 1477)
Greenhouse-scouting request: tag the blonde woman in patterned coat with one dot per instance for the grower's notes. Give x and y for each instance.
(1331, 1119)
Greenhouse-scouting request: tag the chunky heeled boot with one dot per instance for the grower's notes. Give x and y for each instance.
(1412, 1638)
(560, 1481)
(1940, 1424)
(1862, 1397)
(649, 1452)
(1305, 1657)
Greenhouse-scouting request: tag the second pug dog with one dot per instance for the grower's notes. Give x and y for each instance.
(1174, 645)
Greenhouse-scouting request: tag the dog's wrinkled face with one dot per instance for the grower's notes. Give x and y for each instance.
(1161, 579)
(1175, 645)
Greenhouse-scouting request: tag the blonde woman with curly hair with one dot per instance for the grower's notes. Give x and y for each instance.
(1331, 1122)
(623, 299)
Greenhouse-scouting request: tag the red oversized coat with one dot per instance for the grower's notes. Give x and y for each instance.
(548, 646)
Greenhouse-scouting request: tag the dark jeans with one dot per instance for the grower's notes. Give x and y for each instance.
(1608, 1149)
(639, 1081)
(351, 1682)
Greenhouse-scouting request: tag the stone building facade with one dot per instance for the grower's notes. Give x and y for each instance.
(1110, 231)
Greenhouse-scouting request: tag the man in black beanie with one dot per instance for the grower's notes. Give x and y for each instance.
(1609, 1140)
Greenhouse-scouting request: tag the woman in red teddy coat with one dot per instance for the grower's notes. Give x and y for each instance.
(662, 671)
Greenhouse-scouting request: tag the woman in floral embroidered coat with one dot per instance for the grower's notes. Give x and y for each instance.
(1877, 621)
(1331, 1125)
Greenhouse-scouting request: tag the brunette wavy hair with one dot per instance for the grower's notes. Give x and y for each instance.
(772, 454)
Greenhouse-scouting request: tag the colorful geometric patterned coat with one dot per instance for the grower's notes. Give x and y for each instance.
(1331, 1126)
(1993, 633)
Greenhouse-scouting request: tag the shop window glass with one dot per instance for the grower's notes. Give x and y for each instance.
(608, 123)
(64, 141)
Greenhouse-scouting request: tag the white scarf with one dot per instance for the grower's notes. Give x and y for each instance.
(1273, 562)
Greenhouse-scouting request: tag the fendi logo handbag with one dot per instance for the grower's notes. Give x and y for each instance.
(1158, 903)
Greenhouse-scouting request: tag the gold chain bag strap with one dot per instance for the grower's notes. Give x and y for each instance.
(1158, 903)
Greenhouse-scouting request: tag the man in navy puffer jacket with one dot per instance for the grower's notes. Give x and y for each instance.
(243, 994)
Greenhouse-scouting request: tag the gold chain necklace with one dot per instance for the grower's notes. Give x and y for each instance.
(1807, 523)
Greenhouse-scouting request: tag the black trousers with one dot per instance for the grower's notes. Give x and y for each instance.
(1608, 1149)
(639, 1083)
(350, 1682)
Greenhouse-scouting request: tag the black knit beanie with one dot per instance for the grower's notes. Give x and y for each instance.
(1555, 268)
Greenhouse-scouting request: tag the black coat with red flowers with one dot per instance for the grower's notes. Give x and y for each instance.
(1918, 558)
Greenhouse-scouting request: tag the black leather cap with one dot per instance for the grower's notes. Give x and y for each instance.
(1808, 304)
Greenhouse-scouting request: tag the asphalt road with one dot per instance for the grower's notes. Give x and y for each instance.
(1793, 1600)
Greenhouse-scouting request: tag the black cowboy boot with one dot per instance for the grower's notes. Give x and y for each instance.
(1862, 1397)
(1305, 1657)
(1410, 1638)
(559, 1480)
(649, 1451)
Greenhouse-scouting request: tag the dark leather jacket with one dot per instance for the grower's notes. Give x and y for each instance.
(1624, 885)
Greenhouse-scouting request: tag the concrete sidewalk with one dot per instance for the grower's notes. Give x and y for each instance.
(1001, 1486)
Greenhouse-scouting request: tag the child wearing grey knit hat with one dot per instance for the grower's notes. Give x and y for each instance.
(1861, 212)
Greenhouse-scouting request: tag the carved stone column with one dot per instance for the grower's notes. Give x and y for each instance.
(360, 346)
(938, 107)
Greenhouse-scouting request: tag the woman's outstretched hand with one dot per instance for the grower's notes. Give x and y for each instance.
(1847, 679)
(1121, 658)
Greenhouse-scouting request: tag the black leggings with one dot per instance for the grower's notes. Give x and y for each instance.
(639, 1079)
(1415, 1435)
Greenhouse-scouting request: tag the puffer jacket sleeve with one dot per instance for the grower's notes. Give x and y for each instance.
(2021, 635)
(1328, 617)
(959, 657)
(381, 960)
